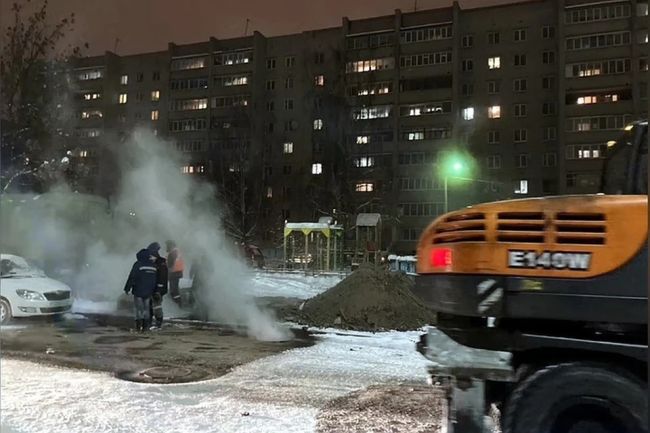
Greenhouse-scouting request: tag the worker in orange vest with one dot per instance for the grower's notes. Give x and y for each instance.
(176, 267)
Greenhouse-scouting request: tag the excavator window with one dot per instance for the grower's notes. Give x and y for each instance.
(626, 165)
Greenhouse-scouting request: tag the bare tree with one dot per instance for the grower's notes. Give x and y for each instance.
(34, 72)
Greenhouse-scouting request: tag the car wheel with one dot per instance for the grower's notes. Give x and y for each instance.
(5, 312)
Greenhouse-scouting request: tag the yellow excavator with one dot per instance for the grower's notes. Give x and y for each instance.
(559, 286)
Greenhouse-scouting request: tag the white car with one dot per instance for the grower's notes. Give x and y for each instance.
(25, 290)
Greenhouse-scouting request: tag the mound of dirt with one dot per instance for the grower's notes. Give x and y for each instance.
(370, 299)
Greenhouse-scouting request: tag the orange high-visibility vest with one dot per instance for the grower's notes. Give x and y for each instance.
(179, 265)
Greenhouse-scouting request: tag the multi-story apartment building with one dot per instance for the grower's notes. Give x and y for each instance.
(358, 118)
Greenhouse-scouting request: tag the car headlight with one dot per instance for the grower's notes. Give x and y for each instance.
(30, 295)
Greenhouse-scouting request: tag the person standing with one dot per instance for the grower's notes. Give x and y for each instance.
(142, 282)
(161, 286)
(176, 266)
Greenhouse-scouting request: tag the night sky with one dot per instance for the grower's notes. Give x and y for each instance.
(148, 25)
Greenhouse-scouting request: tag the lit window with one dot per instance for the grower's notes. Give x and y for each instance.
(91, 96)
(155, 95)
(124, 80)
(83, 154)
(269, 192)
(123, 98)
(363, 139)
(318, 124)
(319, 80)
(364, 187)
(155, 114)
(468, 113)
(91, 114)
(364, 161)
(288, 147)
(317, 168)
(494, 62)
(522, 187)
(494, 112)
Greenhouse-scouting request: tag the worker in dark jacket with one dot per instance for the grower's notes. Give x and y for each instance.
(142, 282)
(176, 266)
(161, 286)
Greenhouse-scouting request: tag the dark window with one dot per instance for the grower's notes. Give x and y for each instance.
(548, 83)
(548, 57)
(520, 60)
(319, 58)
(468, 41)
(286, 169)
(493, 38)
(155, 76)
(468, 89)
(139, 77)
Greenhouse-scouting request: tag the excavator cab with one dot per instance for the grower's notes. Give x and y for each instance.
(626, 164)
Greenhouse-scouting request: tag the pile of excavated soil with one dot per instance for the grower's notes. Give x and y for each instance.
(370, 299)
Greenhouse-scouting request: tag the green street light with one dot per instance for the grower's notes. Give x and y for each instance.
(454, 165)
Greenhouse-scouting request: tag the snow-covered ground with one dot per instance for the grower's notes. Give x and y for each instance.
(290, 285)
(281, 393)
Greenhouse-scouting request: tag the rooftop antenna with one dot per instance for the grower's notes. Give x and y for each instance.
(415, 6)
(246, 28)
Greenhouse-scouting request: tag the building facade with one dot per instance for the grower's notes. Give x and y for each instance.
(364, 117)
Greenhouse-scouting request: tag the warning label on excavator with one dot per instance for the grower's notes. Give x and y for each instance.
(575, 261)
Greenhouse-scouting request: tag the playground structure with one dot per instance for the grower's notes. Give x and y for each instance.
(314, 246)
(367, 243)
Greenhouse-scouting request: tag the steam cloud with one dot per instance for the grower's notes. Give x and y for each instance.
(162, 204)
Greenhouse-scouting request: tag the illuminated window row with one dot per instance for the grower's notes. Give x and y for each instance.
(188, 63)
(585, 151)
(189, 104)
(94, 74)
(233, 80)
(594, 68)
(235, 58)
(376, 112)
(598, 123)
(426, 134)
(370, 65)
(182, 125)
(362, 89)
(193, 169)
(92, 114)
(424, 109)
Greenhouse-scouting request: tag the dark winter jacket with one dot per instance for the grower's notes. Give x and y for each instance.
(142, 279)
(161, 275)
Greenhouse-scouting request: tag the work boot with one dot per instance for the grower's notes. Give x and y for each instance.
(137, 326)
(140, 325)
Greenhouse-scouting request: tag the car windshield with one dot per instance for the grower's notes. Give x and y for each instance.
(18, 267)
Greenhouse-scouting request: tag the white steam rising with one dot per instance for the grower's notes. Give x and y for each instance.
(166, 205)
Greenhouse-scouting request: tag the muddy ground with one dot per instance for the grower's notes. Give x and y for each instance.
(182, 351)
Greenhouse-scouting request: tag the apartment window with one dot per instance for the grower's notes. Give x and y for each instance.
(123, 98)
(370, 65)
(92, 114)
(494, 137)
(548, 108)
(598, 40)
(233, 58)
(270, 85)
(520, 85)
(188, 64)
(604, 67)
(288, 83)
(288, 104)
(155, 95)
(494, 162)
(124, 80)
(155, 114)
(493, 38)
(318, 124)
(139, 97)
(468, 41)
(598, 98)
(597, 13)
(549, 133)
(467, 89)
(286, 169)
(269, 192)
(373, 112)
(91, 96)
(188, 125)
(597, 123)
(270, 63)
(270, 106)
(521, 110)
(494, 86)
(522, 160)
(494, 62)
(433, 33)
(377, 88)
(548, 32)
(139, 77)
(642, 37)
(319, 80)
(317, 168)
(425, 109)
(290, 125)
(468, 113)
(642, 8)
(319, 58)
(288, 147)
(643, 64)
(233, 80)
(415, 60)
(521, 135)
(426, 134)
(520, 60)
(364, 161)
(494, 112)
(364, 187)
(189, 83)
(521, 187)
(519, 35)
(191, 104)
(585, 151)
(548, 83)
(548, 57)
(467, 65)
(155, 76)
(290, 62)
(549, 159)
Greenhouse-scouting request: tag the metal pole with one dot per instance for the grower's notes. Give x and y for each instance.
(327, 258)
(446, 197)
(306, 252)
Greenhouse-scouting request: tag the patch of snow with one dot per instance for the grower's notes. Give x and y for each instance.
(281, 393)
(290, 285)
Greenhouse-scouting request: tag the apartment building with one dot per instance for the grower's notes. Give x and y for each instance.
(359, 118)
